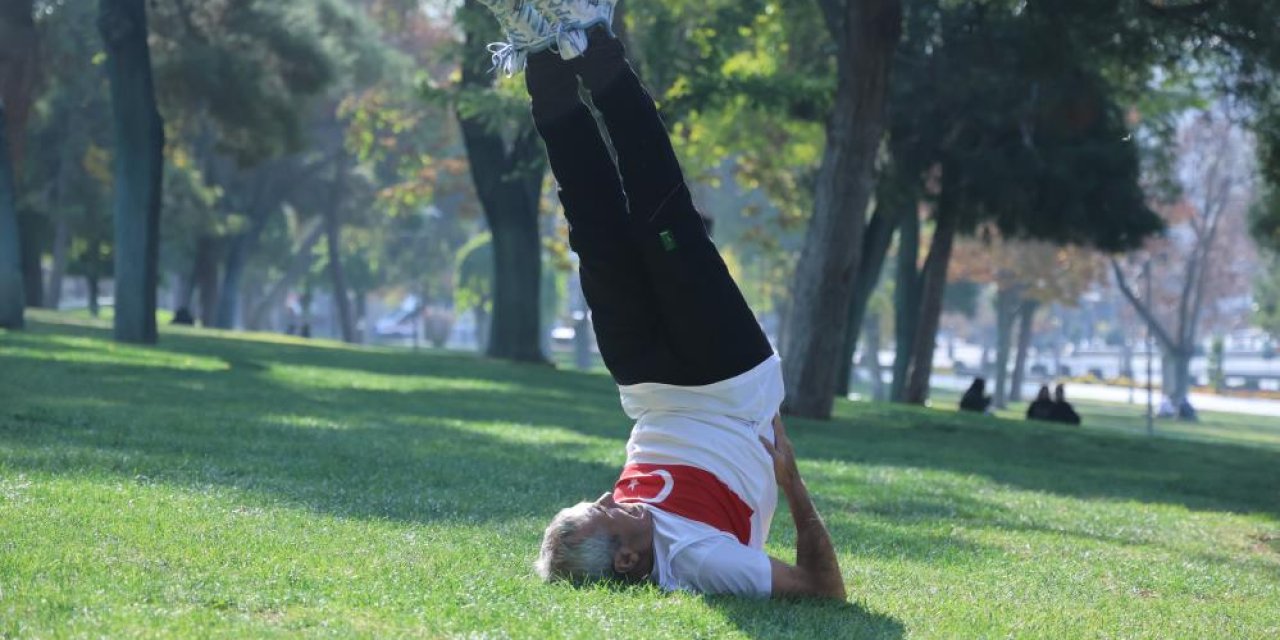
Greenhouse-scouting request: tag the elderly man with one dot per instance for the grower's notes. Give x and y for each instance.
(692, 507)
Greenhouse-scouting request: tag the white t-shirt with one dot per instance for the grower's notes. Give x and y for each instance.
(716, 428)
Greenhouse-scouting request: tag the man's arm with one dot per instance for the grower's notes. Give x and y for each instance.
(817, 570)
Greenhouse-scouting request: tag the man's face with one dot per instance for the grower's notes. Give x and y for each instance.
(631, 523)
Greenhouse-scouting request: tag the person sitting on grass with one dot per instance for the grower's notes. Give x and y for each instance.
(1042, 408)
(976, 399)
(1062, 410)
(692, 507)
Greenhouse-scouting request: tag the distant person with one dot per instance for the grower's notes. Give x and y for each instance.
(975, 399)
(1187, 412)
(1043, 407)
(183, 316)
(1062, 410)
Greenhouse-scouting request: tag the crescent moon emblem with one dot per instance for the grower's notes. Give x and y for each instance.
(668, 483)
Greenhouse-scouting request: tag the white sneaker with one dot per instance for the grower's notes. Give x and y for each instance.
(571, 19)
(527, 32)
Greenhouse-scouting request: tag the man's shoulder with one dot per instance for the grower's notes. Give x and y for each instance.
(703, 559)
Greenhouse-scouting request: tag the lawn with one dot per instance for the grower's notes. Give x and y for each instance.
(247, 486)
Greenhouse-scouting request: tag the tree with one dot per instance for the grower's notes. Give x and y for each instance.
(333, 242)
(507, 166)
(67, 170)
(1217, 175)
(19, 64)
(1264, 225)
(17, 79)
(139, 162)
(1266, 296)
(1027, 275)
(1003, 118)
(892, 207)
(865, 33)
(12, 300)
(241, 82)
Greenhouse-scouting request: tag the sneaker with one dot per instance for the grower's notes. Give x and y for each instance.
(571, 20)
(527, 32)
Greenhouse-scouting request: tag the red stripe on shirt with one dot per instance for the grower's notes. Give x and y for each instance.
(686, 491)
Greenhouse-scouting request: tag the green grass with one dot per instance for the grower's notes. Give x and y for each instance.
(246, 486)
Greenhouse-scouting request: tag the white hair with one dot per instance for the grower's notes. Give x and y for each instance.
(566, 556)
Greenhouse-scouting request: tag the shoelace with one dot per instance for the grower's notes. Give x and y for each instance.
(503, 53)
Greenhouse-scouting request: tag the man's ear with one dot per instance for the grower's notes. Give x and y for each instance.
(625, 559)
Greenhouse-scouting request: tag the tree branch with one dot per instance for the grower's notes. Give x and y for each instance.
(1143, 310)
(1202, 277)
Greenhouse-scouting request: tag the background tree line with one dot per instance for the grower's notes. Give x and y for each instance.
(255, 152)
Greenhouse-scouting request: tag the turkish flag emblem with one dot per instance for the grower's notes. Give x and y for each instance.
(652, 487)
(686, 491)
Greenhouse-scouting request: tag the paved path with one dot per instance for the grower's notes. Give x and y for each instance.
(1201, 401)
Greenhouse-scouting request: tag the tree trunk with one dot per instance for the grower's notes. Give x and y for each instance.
(12, 298)
(227, 309)
(58, 270)
(582, 342)
(204, 279)
(228, 315)
(62, 227)
(32, 229)
(299, 264)
(93, 263)
(139, 146)
(906, 308)
(1027, 317)
(508, 179)
(94, 284)
(875, 248)
(361, 325)
(482, 328)
(333, 238)
(933, 285)
(866, 33)
(1006, 315)
(871, 358)
(1176, 369)
(19, 69)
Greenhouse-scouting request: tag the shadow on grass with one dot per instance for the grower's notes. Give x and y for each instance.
(1052, 459)
(802, 618)
(322, 436)
(415, 456)
(807, 619)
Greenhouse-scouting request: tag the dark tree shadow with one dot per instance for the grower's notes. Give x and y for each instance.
(353, 452)
(805, 619)
(1050, 458)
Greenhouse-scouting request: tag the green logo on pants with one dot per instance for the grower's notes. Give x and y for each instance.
(668, 240)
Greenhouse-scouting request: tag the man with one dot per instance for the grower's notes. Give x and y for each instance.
(1062, 410)
(1042, 407)
(976, 398)
(692, 507)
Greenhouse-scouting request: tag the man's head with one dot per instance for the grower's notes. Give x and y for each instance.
(1043, 396)
(595, 540)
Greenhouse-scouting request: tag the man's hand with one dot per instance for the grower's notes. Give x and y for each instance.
(817, 571)
(783, 454)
